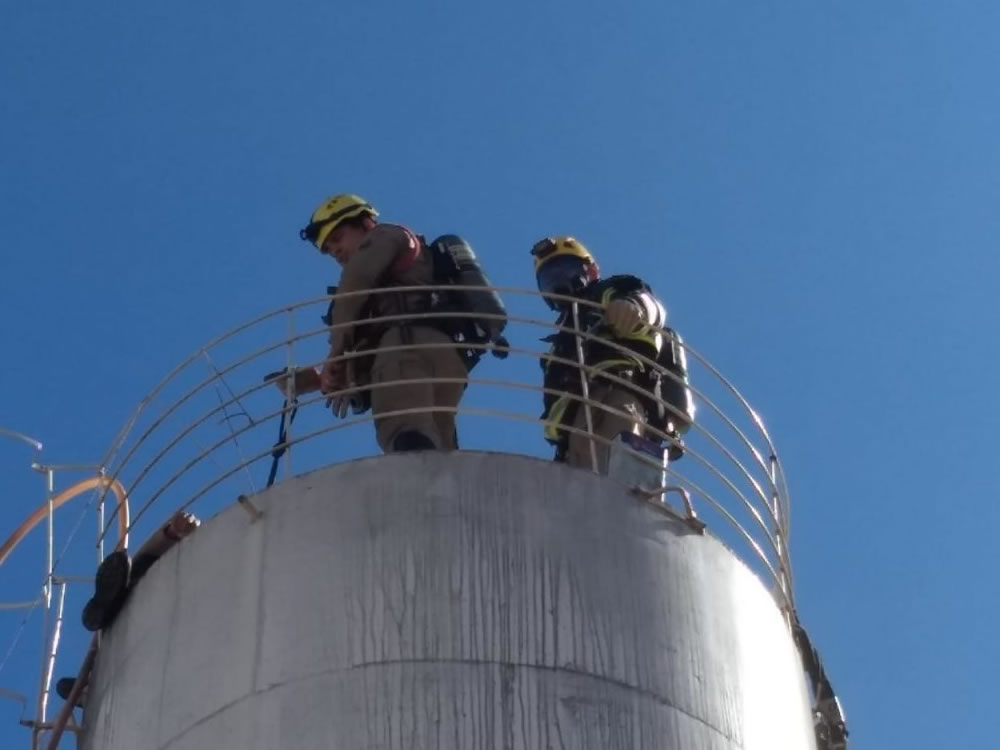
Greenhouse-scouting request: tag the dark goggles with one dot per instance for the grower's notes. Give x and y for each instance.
(565, 274)
(312, 230)
(544, 248)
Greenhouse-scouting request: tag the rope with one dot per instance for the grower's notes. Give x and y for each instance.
(281, 446)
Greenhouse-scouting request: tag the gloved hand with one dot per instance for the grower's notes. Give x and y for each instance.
(623, 317)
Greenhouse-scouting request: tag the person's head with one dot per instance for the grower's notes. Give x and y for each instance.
(563, 266)
(338, 227)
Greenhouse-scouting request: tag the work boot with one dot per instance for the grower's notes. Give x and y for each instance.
(110, 590)
(64, 686)
(412, 440)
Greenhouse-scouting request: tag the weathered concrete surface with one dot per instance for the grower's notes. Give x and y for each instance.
(463, 601)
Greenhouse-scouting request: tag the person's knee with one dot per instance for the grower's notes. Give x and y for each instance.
(412, 440)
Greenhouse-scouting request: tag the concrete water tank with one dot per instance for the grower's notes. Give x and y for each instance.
(463, 601)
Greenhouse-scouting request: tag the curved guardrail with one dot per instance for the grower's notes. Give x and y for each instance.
(208, 426)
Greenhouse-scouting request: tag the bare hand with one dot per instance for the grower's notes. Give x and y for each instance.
(306, 380)
(181, 524)
(333, 376)
(623, 317)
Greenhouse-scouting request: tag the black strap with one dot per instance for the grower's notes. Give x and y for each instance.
(280, 447)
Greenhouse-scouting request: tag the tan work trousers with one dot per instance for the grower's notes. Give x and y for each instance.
(606, 424)
(418, 366)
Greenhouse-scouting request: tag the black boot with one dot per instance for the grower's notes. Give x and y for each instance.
(110, 590)
(412, 440)
(65, 686)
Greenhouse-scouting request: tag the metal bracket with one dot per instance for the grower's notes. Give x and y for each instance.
(655, 497)
(255, 513)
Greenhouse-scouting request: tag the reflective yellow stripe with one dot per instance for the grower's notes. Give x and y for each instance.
(558, 411)
(646, 335)
(555, 418)
(607, 364)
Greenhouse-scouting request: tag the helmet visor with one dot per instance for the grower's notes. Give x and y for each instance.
(563, 274)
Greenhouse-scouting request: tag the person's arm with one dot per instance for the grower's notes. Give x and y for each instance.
(627, 311)
(180, 525)
(377, 253)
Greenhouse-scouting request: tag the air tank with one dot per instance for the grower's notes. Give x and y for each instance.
(465, 601)
(486, 308)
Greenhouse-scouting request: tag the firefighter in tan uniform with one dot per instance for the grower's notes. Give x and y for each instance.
(374, 255)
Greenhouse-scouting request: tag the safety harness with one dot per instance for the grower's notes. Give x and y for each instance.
(562, 380)
(460, 327)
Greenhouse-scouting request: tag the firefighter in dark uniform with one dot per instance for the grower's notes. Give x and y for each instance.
(627, 318)
(374, 255)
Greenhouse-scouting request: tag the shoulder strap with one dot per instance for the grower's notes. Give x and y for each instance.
(625, 284)
(406, 258)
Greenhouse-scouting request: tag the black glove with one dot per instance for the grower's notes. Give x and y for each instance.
(500, 353)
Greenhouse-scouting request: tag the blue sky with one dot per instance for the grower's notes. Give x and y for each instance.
(811, 187)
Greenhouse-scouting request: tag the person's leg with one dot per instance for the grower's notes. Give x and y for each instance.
(448, 365)
(397, 432)
(605, 424)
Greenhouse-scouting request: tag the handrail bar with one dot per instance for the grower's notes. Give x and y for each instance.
(346, 423)
(405, 289)
(348, 355)
(542, 355)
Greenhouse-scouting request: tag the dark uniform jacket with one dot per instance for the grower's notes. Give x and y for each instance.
(607, 352)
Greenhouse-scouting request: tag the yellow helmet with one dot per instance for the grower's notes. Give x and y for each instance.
(331, 214)
(552, 247)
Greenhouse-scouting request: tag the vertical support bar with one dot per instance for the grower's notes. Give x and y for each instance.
(46, 687)
(779, 536)
(49, 535)
(289, 392)
(584, 387)
(66, 712)
(41, 705)
(100, 521)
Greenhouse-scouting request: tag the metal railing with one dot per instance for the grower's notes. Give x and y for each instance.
(192, 417)
(204, 432)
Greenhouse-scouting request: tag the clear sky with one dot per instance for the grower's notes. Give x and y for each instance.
(812, 187)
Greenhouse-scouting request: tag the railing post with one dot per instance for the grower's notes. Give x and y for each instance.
(49, 534)
(290, 394)
(100, 519)
(584, 387)
(779, 537)
(52, 647)
(41, 705)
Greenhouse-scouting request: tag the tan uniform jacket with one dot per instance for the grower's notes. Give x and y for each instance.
(385, 258)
